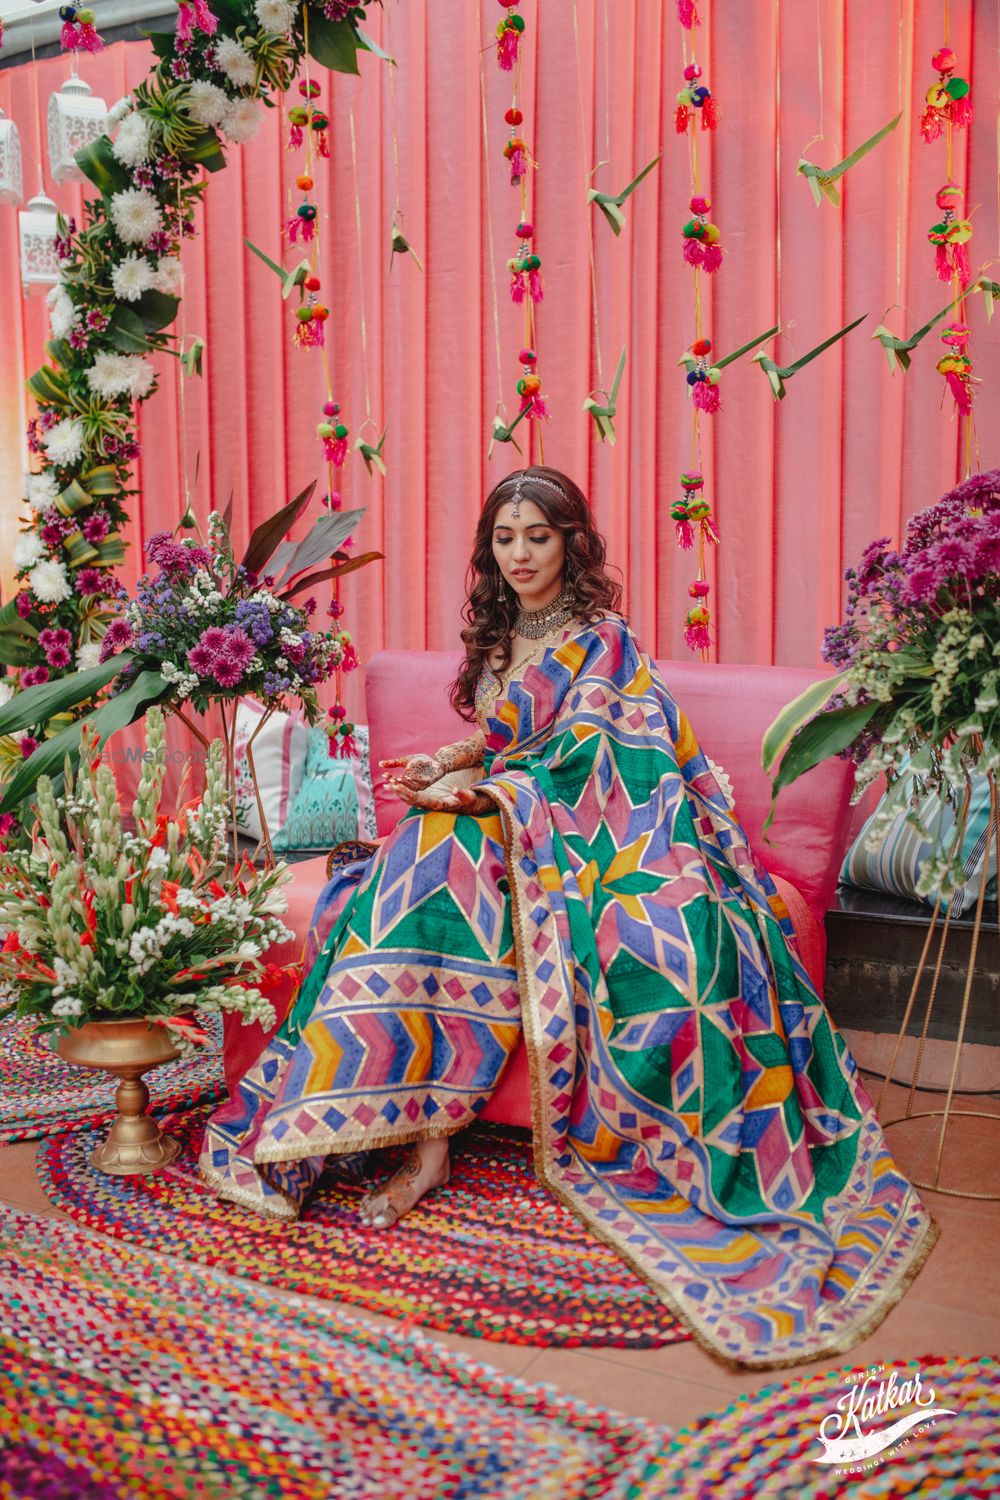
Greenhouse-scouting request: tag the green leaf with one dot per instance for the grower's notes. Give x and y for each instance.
(157, 310)
(778, 374)
(206, 150)
(720, 364)
(11, 622)
(191, 359)
(37, 705)
(898, 351)
(48, 386)
(364, 40)
(18, 651)
(46, 760)
(610, 203)
(98, 162)
(124, 708)
(822, 180)
(792, 717)
(278, 270)
(127, 332)
(162, 43)
(320, 542)
(311, 579)
(334, 44)
(268, 534)
(296, 278)
(822, 736)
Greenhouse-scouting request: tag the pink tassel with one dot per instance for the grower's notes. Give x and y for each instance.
(207, 20)
(69, 37)
(88, 40)
(294, 137)
(308, 335)
(322, 143)
(343, 746)
(709, 531)
(961, 260)
(706, 397)
(681, 119)
(697, 637)
(709, 115)
(685, 536)
(961, 112)
(942, 263)
(694, 254)
(535, 407)
(517, 287)
(300, 229)
(335, 451)
(712, 259)
(535, 285)
(931, 124)
(961, 391)
(518, 166)
(507, 49)
(686, 13)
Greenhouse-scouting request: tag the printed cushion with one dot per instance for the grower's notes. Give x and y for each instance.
(325, 809)
(893, 866)
(361, 766)
(279, 755)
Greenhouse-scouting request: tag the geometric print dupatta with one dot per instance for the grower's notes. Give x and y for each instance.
(692, 1102)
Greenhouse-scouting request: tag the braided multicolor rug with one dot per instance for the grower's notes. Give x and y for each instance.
(41, 1095)
(133, 1375)
(768, 1444)
(492, 1254)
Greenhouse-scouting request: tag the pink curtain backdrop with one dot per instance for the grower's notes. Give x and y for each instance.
(798, 487)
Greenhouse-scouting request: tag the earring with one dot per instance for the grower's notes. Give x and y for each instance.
(502, 591)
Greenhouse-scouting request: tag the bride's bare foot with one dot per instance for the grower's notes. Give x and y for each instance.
(426, 1168)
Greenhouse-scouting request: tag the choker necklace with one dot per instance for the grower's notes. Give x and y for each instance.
(535, 624)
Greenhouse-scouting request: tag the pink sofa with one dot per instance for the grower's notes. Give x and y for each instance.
(729, 708)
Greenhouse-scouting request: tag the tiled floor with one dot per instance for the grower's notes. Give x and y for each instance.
(953, 1306)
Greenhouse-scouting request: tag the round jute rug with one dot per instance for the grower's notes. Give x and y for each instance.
(936, 1437)
(41, 1095)
(491, 1255)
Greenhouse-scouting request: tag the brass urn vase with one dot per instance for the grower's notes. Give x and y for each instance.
(127, 1049)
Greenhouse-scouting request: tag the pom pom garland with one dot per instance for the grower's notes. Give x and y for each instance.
(79, 33)
(947, 101)
(695, 102)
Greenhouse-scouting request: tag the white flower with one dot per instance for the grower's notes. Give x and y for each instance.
(276, 16)
(6, 690)
(157, 859)
(88, 655)
(69, 1005)
(64, 441)
(206, 103)
(63, 312)
(48, 582)
(131, 144)
(43, 491)
(235, 61)
(241, 121)
(28, 550)
(169, 276)
(136, 215)
(120, 375)
(120, 110)
(132, 276)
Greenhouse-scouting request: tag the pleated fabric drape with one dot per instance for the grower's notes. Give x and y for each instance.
(798, 487)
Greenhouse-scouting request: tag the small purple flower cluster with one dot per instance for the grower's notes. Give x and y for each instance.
(222, 652)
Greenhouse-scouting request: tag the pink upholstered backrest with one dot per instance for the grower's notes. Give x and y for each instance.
(729, 708)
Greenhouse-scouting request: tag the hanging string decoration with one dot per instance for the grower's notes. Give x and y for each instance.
(695, 102)
(701, 238)
(948, 107)
(79, 34)
(509, 36)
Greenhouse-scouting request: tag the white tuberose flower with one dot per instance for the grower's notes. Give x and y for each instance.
(43, 491)
(241, 121)
(206, 103)
(235, 61)
(276, 16)
(132, 276)
(170, 276)
(28, 550)
(63, 314)
(48, 582)
(136, 215)
(131, 144)
(64, 441)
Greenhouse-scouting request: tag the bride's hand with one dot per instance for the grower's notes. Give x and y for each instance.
(416, 773)
(462, 800)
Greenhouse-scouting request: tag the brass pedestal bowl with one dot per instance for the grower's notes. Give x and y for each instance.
(127, 1049)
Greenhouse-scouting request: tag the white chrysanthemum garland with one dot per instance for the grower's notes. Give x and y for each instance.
(120, 282)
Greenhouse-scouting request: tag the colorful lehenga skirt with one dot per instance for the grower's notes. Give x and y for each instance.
(692, 1101)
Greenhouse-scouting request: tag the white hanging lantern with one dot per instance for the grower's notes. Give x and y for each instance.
(37, 226)
(76, 117)
(11, 186)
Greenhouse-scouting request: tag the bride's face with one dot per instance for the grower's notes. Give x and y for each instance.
(530, 553)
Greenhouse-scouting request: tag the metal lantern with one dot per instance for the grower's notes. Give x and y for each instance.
(10, 162)
(37, 225)
(76, 117)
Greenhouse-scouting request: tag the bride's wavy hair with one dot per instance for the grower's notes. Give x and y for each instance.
(490, 618)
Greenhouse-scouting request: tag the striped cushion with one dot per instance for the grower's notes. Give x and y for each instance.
(893, 866)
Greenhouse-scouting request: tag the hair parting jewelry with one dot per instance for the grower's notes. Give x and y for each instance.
(519, 480)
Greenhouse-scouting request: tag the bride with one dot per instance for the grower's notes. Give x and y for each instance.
(573, 873)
